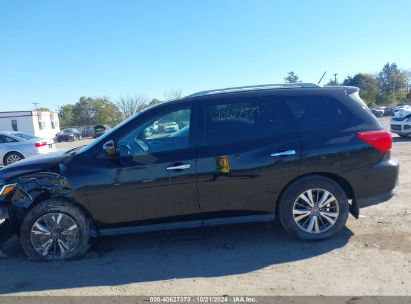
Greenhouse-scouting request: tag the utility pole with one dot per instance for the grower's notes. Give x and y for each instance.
(335, 78)
(35, 105)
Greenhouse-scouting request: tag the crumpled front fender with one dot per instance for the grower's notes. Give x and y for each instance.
(38, 186)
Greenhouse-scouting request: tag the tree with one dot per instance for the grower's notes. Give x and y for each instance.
(154, 102)
(42, 109)
(92, 111)
(392, 84)
(368, 86)
(129, 106)
(172, 94)
(292, 78)
(66, 115)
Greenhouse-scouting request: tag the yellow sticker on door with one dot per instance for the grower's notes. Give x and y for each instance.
(222, 164)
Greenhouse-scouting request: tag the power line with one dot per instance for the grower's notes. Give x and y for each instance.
(35, 105)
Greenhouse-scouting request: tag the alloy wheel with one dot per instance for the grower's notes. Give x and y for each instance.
(12, 158)
(55, 235)
(315, 211)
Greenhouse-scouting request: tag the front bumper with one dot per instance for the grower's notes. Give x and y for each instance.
(6, 227)
(400, 127)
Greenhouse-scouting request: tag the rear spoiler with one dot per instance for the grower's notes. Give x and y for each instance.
(350, 90)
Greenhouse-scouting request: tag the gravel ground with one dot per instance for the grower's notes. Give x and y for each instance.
(372, 256)
(72, 144)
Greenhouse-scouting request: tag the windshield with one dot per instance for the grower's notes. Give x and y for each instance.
(24, 136)
(105, 135)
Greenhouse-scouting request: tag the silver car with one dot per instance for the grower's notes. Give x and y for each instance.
(15, 146)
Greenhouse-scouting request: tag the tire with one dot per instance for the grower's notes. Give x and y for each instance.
(12, 157)
(32, 230)
(292, 206)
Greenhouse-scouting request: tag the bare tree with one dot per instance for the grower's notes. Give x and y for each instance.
(129, 105)
(172, 94)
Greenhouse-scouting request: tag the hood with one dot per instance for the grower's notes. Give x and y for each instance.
(34, 164)
(402, 112)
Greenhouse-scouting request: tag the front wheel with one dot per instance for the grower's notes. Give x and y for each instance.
(55, 230)
(313, 208)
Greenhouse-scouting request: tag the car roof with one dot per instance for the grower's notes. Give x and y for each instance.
(254, 91)
(270, 88)
(255, 88)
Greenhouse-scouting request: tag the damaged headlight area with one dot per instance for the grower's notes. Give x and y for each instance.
(6, 190)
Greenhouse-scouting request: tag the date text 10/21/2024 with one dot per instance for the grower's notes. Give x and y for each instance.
(203, 299)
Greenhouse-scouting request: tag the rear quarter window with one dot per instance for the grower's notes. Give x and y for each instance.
(307, 113)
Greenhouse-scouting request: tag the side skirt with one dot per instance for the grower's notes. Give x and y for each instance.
(182, 225)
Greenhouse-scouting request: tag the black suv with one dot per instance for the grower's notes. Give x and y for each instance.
(304, 154)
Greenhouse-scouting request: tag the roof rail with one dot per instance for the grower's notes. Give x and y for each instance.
(256, 88)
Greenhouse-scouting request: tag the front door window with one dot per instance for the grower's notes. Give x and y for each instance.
(165, 132)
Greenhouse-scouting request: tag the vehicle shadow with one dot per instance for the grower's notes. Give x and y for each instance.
(203, 252)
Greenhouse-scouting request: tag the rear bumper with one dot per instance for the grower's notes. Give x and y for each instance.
(376, 199)
(378, 183)
(373, 183)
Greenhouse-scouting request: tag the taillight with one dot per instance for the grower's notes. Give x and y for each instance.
(40, 144)
(381, 140)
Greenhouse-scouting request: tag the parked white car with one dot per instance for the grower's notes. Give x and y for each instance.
(401, 121)
(171, 127)
(15, 146)
(378, 111)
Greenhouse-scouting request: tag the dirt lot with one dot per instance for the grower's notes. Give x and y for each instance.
(72, 144)
(371, 257)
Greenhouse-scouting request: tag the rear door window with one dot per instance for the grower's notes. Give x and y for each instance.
(231, 122)
(8, 139)
(307, 113)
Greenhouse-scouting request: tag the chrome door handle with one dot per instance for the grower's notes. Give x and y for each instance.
(180, 167)
(283, 153)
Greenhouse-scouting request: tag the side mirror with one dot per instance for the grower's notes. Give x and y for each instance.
(110, 148)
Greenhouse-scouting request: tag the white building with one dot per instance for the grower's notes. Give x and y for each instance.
(39, 123)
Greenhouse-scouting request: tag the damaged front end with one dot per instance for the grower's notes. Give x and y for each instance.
(27, 182)
(23, 192)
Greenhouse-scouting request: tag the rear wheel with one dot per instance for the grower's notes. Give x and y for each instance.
(55, 230)
(12, 157)
(313, 208)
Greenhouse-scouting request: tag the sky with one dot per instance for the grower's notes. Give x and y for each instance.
(54, 52)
